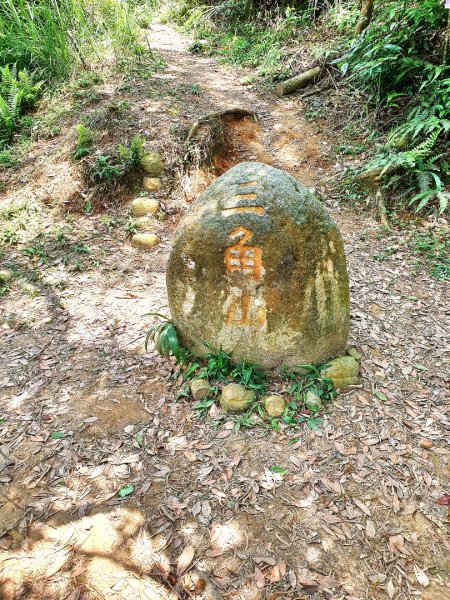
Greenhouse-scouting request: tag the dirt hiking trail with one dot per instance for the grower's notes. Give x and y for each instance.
(85, 411)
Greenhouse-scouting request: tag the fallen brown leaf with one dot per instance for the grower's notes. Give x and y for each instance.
(185, 559)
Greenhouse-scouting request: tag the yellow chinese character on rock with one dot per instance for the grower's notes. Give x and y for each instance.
(242, 258)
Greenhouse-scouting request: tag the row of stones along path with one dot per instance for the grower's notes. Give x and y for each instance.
(356, 515)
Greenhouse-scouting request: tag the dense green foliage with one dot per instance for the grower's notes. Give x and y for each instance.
(17, 92)
(47, 40)
(399, 62)
(52, 36)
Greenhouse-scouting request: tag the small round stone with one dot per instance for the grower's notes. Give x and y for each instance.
(151, 184)
(145, 240)
(313, 402)
(144, 206)
(152, 163)
(5, 276)
(144, 222)
(235, 398)
(342, 371)
(199, 389)
(274, 405)
(354, 352)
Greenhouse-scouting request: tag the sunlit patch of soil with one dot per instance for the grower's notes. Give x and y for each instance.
(243, 143)
(109, 554)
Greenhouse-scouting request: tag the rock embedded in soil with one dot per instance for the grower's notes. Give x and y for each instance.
(5, 276)
(152, 163)
(144, 222)
(274, 405)
(235, 398)
(200, 388)
(143, 206)
(342, 371)
(354, 352)
(145, 240)
(151, 184)
(313, 402)
(257, 267)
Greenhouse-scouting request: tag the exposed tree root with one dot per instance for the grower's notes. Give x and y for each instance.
(230, 112)
(382, 210)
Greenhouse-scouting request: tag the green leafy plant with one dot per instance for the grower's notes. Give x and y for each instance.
(165, 337)
(105, 169)
(17, 92)
(204, 405)
(5, 288)
(435, 249)
(301, 408)
(10, 235)
(131, 155)
(249, 375)
(80, 249)
(108, 170)
(131, 227)
(37, 252)
(218, 365)
(85, 140)
(405, 77)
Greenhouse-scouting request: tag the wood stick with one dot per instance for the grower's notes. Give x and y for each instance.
(299, 81)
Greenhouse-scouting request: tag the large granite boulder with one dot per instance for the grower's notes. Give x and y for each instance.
(257, 267)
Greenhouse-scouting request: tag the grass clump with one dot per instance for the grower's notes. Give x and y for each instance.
(85, 140)
(52, 37)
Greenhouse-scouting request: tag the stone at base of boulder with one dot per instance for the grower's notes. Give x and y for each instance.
(274, 405)
(199, 389)
(151, 184)
(235, 398)
(145, 240)
(342, 371)
(313, 402)
(142, 207)
(354, 352)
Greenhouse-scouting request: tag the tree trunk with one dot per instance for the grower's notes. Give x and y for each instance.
(447, 39)
(365, 16)
(299, 81)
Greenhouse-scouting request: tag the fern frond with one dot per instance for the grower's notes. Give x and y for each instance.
(424, 180)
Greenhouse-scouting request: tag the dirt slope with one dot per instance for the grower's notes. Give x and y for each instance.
(85, 411)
